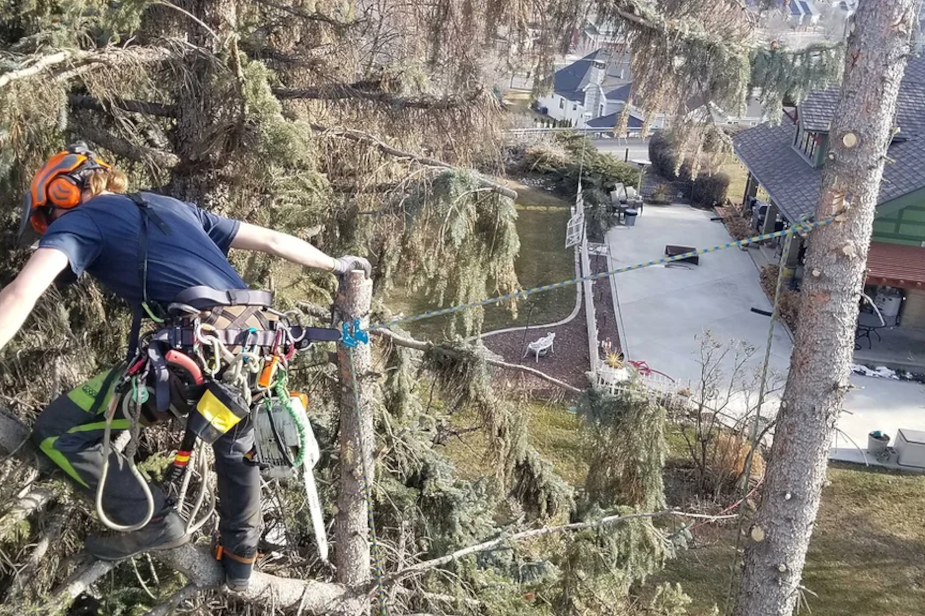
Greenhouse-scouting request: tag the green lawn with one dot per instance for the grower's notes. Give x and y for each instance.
(867, 554)
(866, 557)
(543, 259)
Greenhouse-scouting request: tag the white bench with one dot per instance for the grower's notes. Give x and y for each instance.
(541, 346)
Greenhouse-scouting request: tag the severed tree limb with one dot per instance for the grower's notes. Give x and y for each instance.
(361, 137)
(338, 92)
(26, 574)
(166, 607)
(539, 532)
(421, 345)
(156, 109)
(126, 149)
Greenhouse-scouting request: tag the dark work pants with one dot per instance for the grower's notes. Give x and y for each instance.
(68, 433)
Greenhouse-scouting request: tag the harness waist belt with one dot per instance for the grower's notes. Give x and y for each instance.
(177, 337)
(203, 297)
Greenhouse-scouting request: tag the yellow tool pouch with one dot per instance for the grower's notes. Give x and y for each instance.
(218, 411)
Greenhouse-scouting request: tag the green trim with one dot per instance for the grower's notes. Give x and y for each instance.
(117, 424)
(893, 206)
(48, 446)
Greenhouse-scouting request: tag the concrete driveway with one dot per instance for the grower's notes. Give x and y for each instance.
(664, 308)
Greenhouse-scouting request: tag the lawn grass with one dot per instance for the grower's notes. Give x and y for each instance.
(553, 432)
(866, 557)
(543, 259)
(738, 177)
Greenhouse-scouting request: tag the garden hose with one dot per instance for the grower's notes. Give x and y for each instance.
(146, 490)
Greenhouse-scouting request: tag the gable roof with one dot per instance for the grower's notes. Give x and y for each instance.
(794, 185)
(621, 93)
(570, 81)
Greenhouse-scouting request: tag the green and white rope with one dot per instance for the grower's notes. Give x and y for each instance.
(802, 227)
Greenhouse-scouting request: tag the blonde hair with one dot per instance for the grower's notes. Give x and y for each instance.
(112, 180)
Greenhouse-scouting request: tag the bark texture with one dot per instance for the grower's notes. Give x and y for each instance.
(860, 133)
(351, 525)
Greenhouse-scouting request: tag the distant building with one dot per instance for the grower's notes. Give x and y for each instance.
(594, 87)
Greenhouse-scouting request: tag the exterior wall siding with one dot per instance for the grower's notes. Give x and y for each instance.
(902, 222)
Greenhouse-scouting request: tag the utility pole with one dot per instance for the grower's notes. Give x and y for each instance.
(357, 439)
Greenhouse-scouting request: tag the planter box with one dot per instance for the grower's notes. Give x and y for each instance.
(910, 448)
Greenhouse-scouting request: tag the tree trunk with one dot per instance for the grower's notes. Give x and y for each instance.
(351, 524)
(209, 102)
(860, 134)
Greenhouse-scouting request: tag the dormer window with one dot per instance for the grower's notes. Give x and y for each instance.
(808, 143)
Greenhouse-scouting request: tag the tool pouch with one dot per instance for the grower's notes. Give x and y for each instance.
(217, 412)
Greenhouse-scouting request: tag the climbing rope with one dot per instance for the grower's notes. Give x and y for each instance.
(375, 550)
(801, 227)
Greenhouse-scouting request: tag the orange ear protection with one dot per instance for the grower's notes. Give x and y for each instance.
(60, 183)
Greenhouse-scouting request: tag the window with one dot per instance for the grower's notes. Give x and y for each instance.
(808, 143)
(561, 103)
(601, 112)
(574, 106)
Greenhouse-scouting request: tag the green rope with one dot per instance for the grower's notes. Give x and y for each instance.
(762, 390)
(367, 490)
(281, 389)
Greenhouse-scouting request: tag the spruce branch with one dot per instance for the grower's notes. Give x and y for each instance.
(421, 345)
(362, 137)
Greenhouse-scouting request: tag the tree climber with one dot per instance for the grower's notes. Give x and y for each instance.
(167, 259)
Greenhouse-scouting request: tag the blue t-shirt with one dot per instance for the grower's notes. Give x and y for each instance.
(103, 236)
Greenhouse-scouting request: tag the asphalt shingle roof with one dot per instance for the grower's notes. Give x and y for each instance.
(570, 81)
(620, 94)
(794, 185)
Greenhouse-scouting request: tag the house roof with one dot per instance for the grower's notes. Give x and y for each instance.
(896, 265)
(570, 81)
(610, 121)
(794, 185)
(621, 93)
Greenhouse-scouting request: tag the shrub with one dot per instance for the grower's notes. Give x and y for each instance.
(710, 190)
(662, 194)
(662, 155)
(545, 158)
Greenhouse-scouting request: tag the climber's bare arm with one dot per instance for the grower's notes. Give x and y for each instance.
(252, 237)
(18, 298)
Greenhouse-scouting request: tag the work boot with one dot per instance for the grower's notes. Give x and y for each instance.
(163, 533)
(238, 570)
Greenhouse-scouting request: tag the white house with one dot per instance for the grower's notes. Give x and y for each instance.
(596, 86)
(751, 114)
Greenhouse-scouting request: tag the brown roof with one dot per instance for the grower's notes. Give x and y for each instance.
(896, 265)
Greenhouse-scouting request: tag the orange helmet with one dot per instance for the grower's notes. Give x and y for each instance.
(58, 184)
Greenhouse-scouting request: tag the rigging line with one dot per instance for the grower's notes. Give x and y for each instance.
(801, 227)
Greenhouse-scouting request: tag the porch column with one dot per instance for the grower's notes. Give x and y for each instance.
(770, 219)
(791, 258)
(751, 188)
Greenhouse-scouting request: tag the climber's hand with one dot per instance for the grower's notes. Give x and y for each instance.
(349, 263)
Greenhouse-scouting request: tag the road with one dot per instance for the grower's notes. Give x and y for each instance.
(624, 148)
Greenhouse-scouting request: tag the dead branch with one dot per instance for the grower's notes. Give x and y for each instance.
(539, 532)
(79, 59)
(421, 345)
(337, 92)
(79, 582)
(126, 149)
(27, 573)
(33, 502)
(166, 607)
(156, 109)
(361, 137)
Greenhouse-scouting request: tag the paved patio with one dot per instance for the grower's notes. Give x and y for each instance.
(663, 309)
